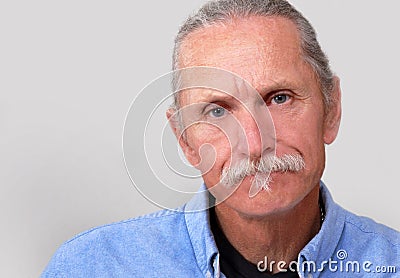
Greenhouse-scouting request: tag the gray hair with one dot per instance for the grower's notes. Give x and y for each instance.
(219, 11)
(234, 175)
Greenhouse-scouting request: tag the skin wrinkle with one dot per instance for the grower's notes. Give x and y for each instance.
(266, 52)
(191, 49)
(227, 12)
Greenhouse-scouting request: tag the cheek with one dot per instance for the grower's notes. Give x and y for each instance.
(211, 147)
(300, 131)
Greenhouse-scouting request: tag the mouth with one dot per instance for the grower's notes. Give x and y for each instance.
(263, 182)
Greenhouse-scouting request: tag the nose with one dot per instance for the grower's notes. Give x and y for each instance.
(257, 133)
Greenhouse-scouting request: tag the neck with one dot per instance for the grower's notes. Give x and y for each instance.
(279, 237)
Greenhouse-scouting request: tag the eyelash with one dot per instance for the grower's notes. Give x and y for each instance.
(269, 100)
(210, 108)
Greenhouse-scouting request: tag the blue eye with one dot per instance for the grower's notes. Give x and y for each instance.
(280, 99)
(218, 112)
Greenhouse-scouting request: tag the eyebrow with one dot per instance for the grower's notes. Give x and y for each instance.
(280, 85)
(216, 96)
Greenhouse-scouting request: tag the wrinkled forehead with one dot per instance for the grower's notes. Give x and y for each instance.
(240, 42)
(260, 50)
(206, 84)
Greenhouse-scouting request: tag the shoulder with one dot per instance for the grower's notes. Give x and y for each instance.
(369, 228)
(159, 227)
(359, 237)
(132, 230)
(369, 239)
(123, 247)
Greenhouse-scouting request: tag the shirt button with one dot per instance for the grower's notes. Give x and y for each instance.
(208, 274)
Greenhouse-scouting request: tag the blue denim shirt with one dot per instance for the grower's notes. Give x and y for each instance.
(180, 244)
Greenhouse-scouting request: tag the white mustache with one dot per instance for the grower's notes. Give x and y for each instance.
(232, 176)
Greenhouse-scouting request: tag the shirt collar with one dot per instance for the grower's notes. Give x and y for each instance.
(322, 247)
(198, 225)
(318, 250)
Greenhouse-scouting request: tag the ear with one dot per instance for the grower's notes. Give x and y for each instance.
(334, 114)
(190, 154)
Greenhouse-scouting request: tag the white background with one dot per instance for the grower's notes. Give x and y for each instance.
(70, 69)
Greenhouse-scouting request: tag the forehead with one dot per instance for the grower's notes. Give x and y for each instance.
(258, 49)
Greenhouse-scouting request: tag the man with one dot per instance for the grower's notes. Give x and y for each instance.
(269, 110)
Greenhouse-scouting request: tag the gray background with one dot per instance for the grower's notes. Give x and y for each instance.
(70, 69)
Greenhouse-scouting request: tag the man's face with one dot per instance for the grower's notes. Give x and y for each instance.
(265, 52)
